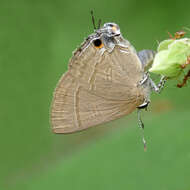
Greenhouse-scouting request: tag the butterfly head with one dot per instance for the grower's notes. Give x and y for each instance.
(110, 29)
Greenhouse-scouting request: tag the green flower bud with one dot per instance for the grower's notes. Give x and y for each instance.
(171, 55)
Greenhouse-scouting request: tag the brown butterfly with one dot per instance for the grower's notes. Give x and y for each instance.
(106, 80)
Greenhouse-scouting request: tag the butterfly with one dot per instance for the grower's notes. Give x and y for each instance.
(106, 79)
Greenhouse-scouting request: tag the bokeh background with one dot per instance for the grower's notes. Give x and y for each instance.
(37, 38)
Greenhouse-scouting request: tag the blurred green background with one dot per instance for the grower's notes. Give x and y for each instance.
(36, 41)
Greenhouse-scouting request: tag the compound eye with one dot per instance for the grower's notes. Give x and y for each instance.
(98, 43)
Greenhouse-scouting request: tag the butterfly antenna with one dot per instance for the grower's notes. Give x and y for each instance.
(99, 23)
(93, 20)
(141, 125)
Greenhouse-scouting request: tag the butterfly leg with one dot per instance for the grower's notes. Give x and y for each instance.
(148, 81)
(158, 88)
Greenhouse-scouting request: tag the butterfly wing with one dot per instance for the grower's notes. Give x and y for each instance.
(98, 87)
